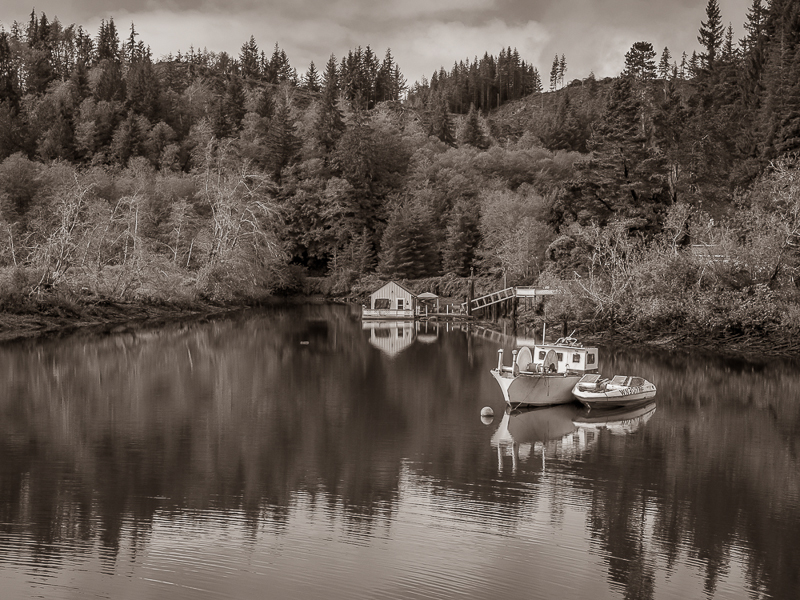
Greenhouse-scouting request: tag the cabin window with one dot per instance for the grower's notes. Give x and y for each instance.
(590, 359)
(399, 304)
(576, 358)
(559, 356)
(541, 354)
(381, 304)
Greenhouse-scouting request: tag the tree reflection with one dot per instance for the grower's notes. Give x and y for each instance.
(100, 435)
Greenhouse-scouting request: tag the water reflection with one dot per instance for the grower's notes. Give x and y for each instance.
(223, 455)
(619, 421)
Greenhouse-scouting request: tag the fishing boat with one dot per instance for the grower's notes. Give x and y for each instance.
(544, 374)
(621, 390)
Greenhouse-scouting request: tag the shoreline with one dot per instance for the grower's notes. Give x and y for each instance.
(109, 317)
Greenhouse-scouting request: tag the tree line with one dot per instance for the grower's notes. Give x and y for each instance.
(234, 174)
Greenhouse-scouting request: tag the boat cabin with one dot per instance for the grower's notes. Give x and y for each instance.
(556, 358)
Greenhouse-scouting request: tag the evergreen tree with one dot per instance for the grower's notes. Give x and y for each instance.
(408, 246)
(664, 66)
(694, 65)
(9, 82)
(265, 106)
(554, 74)
(249, 63)
(330, 123)
(282, 143)
(624, 176)
(441, 125)
(562, 69)
(107, 42)
(640, 61)
(461, 240)
(330, 78)
(536, 81)
(711, 31)
(728, 50)
(473, 133)
(311, 79)
(234, 103)
(142, 87)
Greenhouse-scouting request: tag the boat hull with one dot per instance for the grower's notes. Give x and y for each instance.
(538, 389)
(615, 398)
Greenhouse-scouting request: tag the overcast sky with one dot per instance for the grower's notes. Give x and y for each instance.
(422, 34)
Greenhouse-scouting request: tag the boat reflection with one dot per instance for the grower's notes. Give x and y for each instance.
(524, 431)
(565, 430)
(619, 421)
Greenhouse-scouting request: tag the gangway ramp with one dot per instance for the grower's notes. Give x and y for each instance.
(508, 293)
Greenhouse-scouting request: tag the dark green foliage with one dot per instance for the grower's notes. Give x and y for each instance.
(711, 34)
(351, 160)
(142, 88)
(20, 185)
(441, 122)
(282, 143)
(408, 247)
(249, 63)
(461, 241)
(311, 80)
(640, 61)
(473, 133)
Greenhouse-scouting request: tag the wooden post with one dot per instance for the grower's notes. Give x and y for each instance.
(514, 303)
(471, 294)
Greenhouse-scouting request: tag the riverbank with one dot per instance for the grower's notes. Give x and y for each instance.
(56, 317)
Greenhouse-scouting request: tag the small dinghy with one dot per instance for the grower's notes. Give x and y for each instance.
(620, 390)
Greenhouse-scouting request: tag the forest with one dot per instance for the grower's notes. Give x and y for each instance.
(663, 199)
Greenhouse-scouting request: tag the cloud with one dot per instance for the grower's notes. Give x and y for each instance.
(423, 35)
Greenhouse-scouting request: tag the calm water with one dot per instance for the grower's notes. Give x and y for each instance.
(293, 454)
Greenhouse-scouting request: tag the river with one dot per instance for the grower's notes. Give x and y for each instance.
(294, 453)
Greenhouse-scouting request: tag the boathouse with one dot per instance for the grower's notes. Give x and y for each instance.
(392, 301)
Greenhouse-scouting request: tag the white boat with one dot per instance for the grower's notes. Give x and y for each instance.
(544, 374)
(620, 390)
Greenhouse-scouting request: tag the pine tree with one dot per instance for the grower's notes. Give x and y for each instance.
(408, 244)
(536, 81)
(640, 61)
(311, 79)
(265, 106)
(249, 60)
(282, 142)
(694, 65)
(664, 65)
(441, 121)
(329, 124)
(554, 74)
(234, 103)
(473, 133)
(9, 83)
(461, 239)
(107, 42)
(142, 87)
(562, 70)
(710, 37)
(755, 25)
